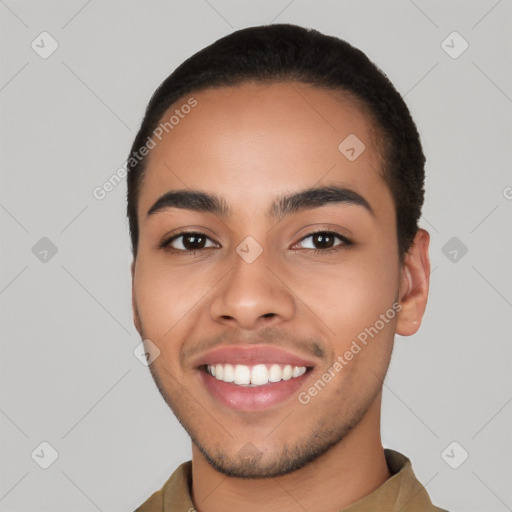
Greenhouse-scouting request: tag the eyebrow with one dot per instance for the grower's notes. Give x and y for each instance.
(307, 199)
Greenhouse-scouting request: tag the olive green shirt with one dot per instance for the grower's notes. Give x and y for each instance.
(402, 492)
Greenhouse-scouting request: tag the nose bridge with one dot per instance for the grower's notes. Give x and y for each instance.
(252, 292)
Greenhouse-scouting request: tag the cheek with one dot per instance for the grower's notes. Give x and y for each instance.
(357, 304)
(162, 295)
(351, 296)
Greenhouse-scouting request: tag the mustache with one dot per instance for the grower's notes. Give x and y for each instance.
(264, 336)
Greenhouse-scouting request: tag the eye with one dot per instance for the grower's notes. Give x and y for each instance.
(193, 241)
(324, 241)
(188, 241)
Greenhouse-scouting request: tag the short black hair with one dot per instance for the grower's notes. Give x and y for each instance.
(285, 52)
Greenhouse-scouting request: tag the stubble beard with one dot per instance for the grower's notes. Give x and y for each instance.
(250, 462)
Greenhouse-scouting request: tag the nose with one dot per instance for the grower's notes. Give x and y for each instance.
(252, 296)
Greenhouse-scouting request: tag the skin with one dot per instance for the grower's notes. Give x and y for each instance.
(249, 145)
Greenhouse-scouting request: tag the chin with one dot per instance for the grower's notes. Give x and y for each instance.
(251, 463)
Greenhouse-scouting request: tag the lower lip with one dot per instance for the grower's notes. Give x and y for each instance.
(257, 398)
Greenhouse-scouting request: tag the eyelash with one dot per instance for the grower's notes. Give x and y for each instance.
(165, 244)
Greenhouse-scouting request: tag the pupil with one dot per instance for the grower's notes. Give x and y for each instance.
(197, 242)
(324, 240)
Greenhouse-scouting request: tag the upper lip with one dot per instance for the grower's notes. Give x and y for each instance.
(251, 354)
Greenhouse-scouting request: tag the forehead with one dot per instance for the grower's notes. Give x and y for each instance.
(251, 143)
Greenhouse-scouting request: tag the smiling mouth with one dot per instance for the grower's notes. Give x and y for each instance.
(255, 375)
(252, 378)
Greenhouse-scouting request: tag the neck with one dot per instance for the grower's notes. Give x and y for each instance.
(347, 472)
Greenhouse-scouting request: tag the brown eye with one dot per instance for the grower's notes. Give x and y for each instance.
(190, 241)
(324, 240)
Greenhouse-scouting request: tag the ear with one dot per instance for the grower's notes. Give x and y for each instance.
(414, 285)
(135, 312)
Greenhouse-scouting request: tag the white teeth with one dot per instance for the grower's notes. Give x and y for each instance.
(287, 372)
(258, 375)
(298, 371)
(274, 374)
(229, 373)
(242, 374)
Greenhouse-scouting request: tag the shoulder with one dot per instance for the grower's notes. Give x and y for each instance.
(155, 503)
(174, 494)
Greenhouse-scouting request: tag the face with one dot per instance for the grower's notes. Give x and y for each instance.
(265, 283)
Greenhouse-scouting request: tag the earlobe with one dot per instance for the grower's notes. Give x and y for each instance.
(414, 285)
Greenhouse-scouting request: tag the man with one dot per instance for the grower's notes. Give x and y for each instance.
(274, 191)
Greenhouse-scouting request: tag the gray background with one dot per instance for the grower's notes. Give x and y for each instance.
(68, 373)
